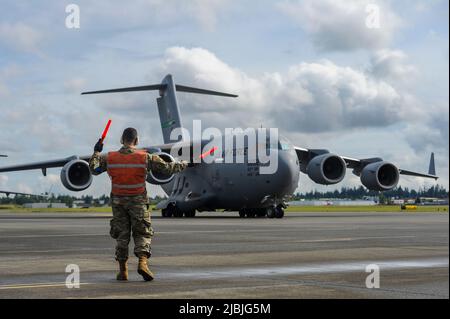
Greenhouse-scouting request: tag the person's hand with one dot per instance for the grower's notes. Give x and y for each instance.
(98, 146)
(184, 164)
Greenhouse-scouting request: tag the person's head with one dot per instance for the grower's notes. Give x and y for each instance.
(129, 137)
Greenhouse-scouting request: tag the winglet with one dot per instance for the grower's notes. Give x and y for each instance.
(432, 166)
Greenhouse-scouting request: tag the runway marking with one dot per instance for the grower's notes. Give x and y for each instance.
(56, 250)
(255, 272)
(37, 285)
(205, 232)
(56, 235)
(322, 268)
(284, 241)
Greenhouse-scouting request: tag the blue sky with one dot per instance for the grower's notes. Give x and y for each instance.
(311, 68)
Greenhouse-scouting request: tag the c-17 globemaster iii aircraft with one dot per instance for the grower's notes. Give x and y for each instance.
(231, 186)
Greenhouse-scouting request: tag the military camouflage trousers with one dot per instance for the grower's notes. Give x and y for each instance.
(131, 218)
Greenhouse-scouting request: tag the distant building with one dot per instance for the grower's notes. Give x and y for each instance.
(45, 205)
(333, 202)
(433, 201)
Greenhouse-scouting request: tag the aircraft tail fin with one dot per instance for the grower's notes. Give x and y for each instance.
(432, 166)
(169, 114)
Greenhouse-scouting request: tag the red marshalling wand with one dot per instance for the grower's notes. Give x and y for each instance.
(105, 131)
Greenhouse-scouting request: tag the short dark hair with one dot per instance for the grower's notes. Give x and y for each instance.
(129, 135)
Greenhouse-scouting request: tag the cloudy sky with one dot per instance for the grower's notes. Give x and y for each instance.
(313, 69)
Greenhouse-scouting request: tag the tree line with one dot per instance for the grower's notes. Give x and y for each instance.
(352, 193)
(361, 192)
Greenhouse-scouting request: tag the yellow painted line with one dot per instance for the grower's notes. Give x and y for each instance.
(38, 285)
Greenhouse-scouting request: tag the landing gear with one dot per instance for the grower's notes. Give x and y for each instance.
(251, 213)
(173, 211)
(189, 213)
(279, 212)
(271, 212)
(166, 212)
(261, 212)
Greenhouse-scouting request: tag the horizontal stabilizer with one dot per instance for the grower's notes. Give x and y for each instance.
(182, 88)
(2, 155)
(162, 87)
(130, 89)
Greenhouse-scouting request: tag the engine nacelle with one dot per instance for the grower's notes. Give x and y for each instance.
(380, 176)
(157, 178)
(326, 169)
(76, 175)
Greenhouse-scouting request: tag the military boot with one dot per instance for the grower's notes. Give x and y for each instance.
(122, 275)
(143, 268)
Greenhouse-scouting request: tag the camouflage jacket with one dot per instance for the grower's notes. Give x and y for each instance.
(98, 164)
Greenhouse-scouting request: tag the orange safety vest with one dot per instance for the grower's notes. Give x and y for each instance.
(128, 172)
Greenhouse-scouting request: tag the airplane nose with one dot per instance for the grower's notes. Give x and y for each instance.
(287, 174)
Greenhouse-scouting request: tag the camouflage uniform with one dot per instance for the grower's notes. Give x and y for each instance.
(131, 214)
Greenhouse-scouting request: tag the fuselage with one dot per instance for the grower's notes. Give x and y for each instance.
(237, 185)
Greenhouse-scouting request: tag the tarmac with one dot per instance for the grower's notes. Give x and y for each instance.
(219, 255)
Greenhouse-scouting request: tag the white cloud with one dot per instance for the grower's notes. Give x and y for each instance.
(340, 25)
(6, 74)
(392, 65)
(20, 37)
(153, 12)
(23, 188)
(310, 97)
(3, 181)
(75, 85)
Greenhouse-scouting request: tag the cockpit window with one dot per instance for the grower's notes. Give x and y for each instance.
(284, 144)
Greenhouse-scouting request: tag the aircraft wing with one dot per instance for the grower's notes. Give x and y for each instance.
(63, 161)
(305, 155)
(41, 165)
(7, 193)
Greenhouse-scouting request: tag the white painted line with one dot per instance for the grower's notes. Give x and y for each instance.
(37, 285)
(322, 268)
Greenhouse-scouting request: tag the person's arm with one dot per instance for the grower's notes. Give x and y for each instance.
(97, 162)
(157, 164)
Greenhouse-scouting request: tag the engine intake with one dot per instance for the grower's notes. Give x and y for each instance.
(157, 178)
(76, 175)
(380, 176)
(326, 169)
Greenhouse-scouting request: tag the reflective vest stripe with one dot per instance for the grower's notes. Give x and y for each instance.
(128, 172)
(128, 186)
(127, 166)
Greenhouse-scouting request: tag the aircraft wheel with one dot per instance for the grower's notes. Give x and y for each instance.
(189, 213)
(271, 212)
(242, 213)
(164, 212)
(251, 213)
(279, 212)
(261, 212)
(177, 213)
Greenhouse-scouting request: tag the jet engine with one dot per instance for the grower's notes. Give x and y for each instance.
(76, 175)
(326, 169)
(380, 176)
(157, 178)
